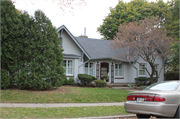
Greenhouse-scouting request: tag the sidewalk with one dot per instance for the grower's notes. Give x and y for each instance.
(59, 104)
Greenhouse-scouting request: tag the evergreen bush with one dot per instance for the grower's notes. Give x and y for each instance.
(69, 81)
(5, 79)
(100, 83)
(86, 79)
(172, 75)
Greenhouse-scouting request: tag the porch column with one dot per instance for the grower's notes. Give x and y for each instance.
(112, 73)
(97, 70)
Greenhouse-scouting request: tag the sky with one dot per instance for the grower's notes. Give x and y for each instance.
(89, 16)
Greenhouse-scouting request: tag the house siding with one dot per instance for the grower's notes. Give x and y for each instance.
(157, 61)
(69, 45)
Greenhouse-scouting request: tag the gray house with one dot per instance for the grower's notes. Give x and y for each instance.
(84, 55)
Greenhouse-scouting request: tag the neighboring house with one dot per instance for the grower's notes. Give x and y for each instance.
(84, 55)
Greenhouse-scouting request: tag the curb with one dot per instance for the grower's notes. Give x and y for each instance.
(108, 117)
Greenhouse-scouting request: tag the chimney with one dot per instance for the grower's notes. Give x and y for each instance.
(84, 33)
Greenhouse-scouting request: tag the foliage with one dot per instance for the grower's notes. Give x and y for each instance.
(174, 59)
(11, 39)
(100, 83)
(5, 79)
(105, 76)
(144, 39)
(139, 84)
(172, 27)
(144, 81)
(130, 85)
(172, 75)
(86, 79)
(43, 67)
(172, 19)
(143, 87)
(69, 81)
(65, 94)
(61, 112)
(30, 49)
(128, 12)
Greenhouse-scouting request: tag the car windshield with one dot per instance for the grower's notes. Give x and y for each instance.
(164, 86)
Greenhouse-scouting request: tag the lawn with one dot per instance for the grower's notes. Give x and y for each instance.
(61, 112)
(65, 94)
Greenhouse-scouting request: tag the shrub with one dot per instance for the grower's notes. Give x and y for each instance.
(69, 81)
(5, 79)
(139, 84)
(130, 85)
(86, 79)
(144, 81)
(100, 83)
(172, 75)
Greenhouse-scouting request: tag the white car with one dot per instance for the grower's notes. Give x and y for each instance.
(160, 99)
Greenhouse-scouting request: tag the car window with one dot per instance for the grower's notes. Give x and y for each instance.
(165, 86)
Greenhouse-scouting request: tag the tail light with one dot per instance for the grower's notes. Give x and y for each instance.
(159, 99)
(146, 98)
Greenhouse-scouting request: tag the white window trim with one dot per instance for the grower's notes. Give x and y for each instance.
(67, 67)
(118, 72)
(89, 68)
(144, 70)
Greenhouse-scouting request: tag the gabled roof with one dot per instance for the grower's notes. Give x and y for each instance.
(73, 38)
(97, 48)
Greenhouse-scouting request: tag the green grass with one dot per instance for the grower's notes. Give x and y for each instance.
(61, 112)
(65, 94)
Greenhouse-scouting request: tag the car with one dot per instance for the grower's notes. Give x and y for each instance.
(161, 99)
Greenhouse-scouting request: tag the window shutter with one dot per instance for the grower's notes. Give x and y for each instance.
(112, 73)
(97, 70)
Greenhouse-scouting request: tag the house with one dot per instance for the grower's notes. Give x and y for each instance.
(83, 55)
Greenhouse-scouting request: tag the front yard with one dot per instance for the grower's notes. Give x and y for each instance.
(61, 112)
(64, 94)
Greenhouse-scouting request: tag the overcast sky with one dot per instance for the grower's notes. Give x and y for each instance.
(90, 16)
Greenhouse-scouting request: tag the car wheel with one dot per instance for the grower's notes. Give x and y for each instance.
(177, 115)
(143, 116)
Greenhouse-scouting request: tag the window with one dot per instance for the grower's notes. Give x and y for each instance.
(142, 70)
(118, 70)
(156, 68)
(68, 66)
(89, 68)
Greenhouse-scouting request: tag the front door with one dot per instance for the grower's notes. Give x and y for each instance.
(104, 69)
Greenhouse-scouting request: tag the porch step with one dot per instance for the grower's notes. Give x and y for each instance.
(123, 86)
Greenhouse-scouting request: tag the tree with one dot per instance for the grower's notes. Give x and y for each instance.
(11, 40)
(43, 61)
(145, 39)
(172, 19)
(128, 12)
(172, 27)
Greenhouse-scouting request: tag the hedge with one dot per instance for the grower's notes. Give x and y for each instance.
(143, 81)
(86, 79)
(100, 83)
(172, 75)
